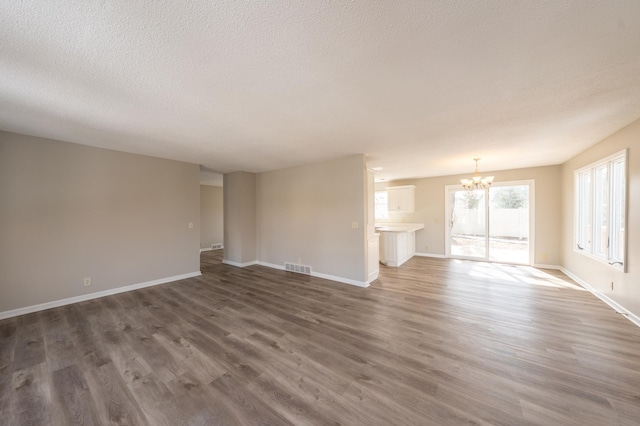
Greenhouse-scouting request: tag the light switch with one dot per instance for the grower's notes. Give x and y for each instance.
(190, 225)
(354, 225)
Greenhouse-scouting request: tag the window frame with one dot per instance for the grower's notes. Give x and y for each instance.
(376, 210)
(598, 217)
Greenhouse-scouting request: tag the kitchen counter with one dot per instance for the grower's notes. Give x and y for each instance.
(399, 227)
(397, 242)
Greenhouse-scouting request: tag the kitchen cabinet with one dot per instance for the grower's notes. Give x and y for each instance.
(401, 198)
(397, 242)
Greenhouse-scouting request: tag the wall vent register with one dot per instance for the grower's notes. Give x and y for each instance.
(300, 269)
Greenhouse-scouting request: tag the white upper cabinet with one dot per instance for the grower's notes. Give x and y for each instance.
(401, 198)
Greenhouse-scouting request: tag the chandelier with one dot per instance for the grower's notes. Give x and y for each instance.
(477, 181)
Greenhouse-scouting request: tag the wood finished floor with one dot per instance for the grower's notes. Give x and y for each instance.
(435, 342)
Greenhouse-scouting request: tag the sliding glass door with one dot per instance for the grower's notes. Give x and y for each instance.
(493, 224)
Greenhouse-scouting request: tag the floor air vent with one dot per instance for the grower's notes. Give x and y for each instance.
(300, 269)
(216, 246)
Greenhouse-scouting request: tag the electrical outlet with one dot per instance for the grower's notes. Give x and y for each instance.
(190, 225)
(354, 225)
(87, 281)
(611, 285)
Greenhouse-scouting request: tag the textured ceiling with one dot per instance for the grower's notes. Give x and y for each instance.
(421, 87)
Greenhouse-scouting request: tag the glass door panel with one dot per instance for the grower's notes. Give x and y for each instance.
(509, 224)
(468, 224)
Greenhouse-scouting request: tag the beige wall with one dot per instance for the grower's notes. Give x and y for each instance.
(626, 290)
(430, 209)
(69, 211)
(211, 214)
(305, 215)
(239, 218)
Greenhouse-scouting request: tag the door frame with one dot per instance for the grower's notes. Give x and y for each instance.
(532, 220)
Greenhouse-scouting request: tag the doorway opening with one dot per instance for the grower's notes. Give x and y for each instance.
(494, 224)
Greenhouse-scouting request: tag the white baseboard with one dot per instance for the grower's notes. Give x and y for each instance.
(340, 279)
(543, 266)
(97, 295)
(270, 265)
(238, 264)
(219, 246)
(373, 276)
(606, 299)
(439, 256)
(320, 275)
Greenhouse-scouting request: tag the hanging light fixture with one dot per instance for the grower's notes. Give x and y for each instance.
(477, 181)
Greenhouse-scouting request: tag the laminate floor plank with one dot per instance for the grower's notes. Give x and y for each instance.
(324, 387)
(113, 400)
(114, 347)
(377, 357)
(135, 313)
(284, 397)
(153, 353)
(282, 352)
(31, 397)
(189, 357)
(89, 347)
(158, 403)
(231, 362)
(7, 394)
(194, 396)
(74, 405)
(434, 342)
(246, 407)
(29, 347)
(188, 312)
(8, 330)
(53, 321)
(100, 318)
(60, 349)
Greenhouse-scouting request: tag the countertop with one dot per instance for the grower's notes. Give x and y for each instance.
(398, 227)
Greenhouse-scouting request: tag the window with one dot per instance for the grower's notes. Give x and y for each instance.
(600, 196)
(381, 208)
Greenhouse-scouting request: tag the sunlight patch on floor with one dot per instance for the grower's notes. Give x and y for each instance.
(520, 274)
